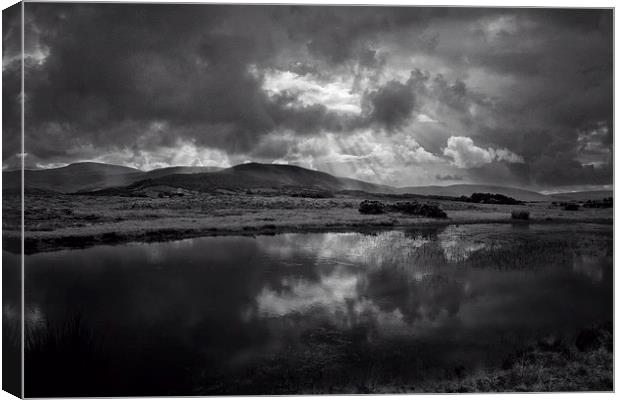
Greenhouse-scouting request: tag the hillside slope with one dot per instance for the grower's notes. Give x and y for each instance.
(73, 177)
(259, 176)
(88, 176)
(97, 177)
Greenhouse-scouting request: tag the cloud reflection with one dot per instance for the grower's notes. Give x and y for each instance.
(392, 278)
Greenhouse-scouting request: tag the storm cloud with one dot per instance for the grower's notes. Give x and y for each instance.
(400, 95)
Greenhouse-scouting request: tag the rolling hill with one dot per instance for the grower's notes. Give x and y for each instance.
(73, 177)
(106, 178)
(259, 176)
(158, 173)
(88, 176)
(251, 176)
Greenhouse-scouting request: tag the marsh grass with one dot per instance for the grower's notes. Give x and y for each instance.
(520, 215)
(549, 365)
(72, 358)
(11, 351)
(336, 365)
(63, 359)
(522, 255)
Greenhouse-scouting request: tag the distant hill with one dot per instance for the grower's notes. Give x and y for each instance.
(93, 177)
(468, 190)
(157, 173)
(259, 176)
(87, 176)
(73, 177)
(584, 195)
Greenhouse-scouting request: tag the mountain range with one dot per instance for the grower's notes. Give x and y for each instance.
(91, 177)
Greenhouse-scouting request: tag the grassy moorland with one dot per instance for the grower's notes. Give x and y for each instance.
(54, 220)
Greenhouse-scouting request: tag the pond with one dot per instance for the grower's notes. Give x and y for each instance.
(306, 313)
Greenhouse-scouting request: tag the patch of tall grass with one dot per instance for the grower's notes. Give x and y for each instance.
(520, 215)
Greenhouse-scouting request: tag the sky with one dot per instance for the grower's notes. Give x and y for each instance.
(402, 96)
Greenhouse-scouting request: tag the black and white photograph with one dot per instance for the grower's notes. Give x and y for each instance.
(295, 199)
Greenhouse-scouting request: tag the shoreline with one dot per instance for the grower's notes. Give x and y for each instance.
(39, 242)
(57, 222)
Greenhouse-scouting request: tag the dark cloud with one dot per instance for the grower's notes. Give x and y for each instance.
(341, 34)
(185, 65)
(11, 83)
(134, 78)
(144, 64)
(562, 169)
(11, 32)
(391, 105)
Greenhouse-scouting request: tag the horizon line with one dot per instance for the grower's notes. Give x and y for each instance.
(544, 192)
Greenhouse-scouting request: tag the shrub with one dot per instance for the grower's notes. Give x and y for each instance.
(607, 202)
(432, 211)
(415, 208)
(371, 207)
(489, 198)
(405, 207)
(520, 214)
(571, 207)
(595, 337)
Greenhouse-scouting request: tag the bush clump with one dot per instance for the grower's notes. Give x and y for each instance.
(571, 207)
(432, 211)
(520, 214)
(607, 202)
(595, 337)
(405, 207)
(415, 208)
(490, 198)
(371, 207)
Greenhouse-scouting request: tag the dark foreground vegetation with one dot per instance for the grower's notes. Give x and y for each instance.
(552, 364)
(73, 360)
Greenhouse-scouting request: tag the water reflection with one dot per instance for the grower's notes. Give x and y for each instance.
(11, 323)
(589, 266)
(426, 245)
(262, 315)
(330, 293)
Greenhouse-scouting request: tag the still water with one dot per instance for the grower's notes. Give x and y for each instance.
(295, 313)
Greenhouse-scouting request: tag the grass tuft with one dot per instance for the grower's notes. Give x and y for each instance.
(520, 214)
